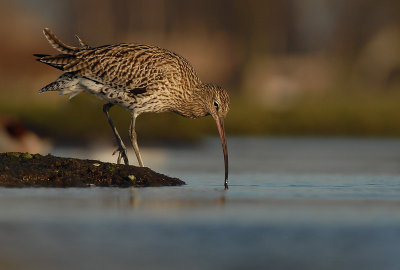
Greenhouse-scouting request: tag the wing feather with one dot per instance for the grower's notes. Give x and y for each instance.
(129, 66)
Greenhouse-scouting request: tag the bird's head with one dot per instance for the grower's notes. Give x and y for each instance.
(216, 103)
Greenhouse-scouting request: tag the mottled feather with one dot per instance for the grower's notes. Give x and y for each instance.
(57, 43)
(149, 78)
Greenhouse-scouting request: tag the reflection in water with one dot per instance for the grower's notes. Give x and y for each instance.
(139, 199)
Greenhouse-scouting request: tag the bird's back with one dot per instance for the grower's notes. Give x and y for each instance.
(131, 66)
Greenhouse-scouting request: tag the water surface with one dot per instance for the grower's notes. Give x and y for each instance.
(293, 203)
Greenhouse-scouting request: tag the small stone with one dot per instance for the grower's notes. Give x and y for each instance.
(132, 177)
(96, 164)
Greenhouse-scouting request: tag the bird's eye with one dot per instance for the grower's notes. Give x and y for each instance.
(216, 105)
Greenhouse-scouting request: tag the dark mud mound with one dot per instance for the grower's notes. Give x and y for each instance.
(28, 170)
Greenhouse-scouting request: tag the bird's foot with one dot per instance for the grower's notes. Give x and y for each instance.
(121, 154)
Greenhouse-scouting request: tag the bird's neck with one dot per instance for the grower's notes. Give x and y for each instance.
(192, 105)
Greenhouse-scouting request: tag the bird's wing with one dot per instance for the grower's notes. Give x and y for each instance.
(127, 67)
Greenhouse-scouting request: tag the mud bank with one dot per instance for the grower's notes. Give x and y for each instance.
(34, 170)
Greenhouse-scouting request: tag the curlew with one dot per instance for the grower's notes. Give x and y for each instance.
(139, 78)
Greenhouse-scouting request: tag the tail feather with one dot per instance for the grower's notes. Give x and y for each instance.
(68, 53)
(60, 83)
(58, 44)
(58, 61)
(69, 82)
(82, 43)
(66, 84)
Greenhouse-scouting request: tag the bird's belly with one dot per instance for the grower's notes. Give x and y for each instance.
(107, 93)
(148, 102)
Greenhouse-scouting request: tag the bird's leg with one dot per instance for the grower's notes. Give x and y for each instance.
(121, 147)
(133, 137)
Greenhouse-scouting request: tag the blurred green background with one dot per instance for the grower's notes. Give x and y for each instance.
(292, 67)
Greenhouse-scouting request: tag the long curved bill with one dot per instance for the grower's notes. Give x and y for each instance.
(221, 130)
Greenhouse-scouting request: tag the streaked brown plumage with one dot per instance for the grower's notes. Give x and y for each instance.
(139, 78)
